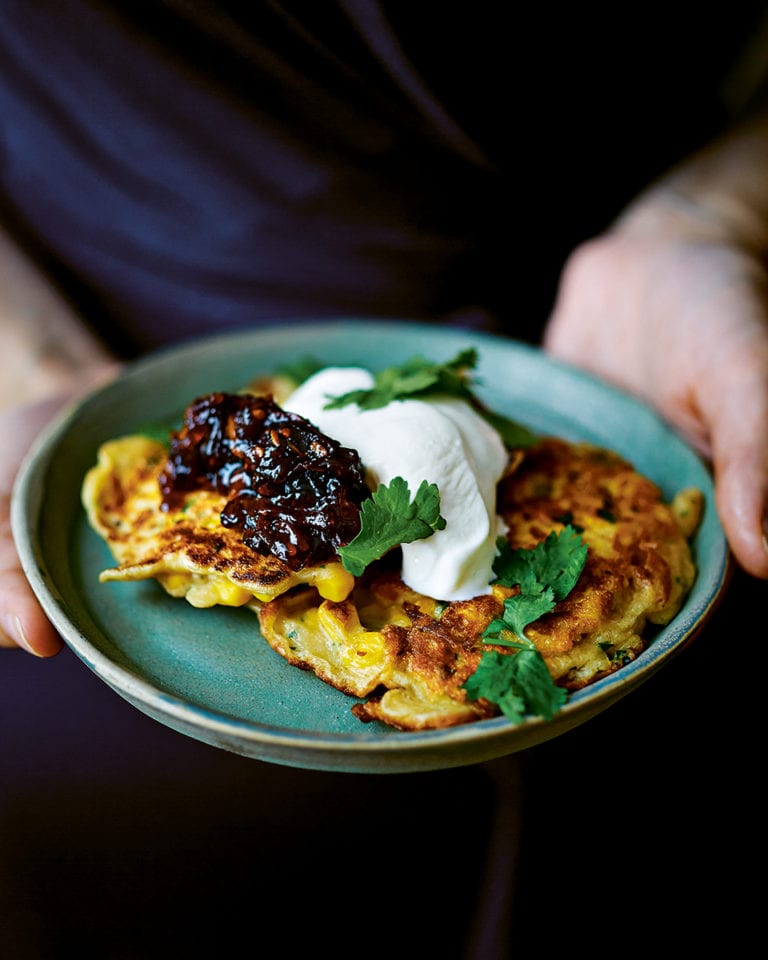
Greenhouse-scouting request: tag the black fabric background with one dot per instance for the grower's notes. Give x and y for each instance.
(184, 168)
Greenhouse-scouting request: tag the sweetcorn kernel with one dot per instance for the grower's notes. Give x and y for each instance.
(335, 628)
(363, 649)
(333, 582)
(359, 647)
(176, 584)
(231, 595)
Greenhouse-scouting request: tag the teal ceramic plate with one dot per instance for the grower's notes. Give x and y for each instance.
(208, 673)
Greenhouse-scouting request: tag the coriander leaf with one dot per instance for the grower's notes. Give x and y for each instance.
(157, 431)
(301, 369)
(513, 434)
(518, 684)
(544, 574)
(556, 562)
(542, 695)
(358, 397)
(492, 678)
(416, 377)
(519, 611)
(388, 518)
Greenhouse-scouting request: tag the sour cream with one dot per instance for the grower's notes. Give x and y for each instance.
(441, 440)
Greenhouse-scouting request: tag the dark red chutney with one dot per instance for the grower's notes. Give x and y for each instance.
(292, 492)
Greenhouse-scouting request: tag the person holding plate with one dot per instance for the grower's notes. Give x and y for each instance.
(173, 170)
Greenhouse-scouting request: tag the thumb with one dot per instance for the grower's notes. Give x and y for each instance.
(22, 621)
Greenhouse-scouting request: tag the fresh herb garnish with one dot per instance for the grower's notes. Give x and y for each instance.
(616, 656)
(512, 433)
(159, 432)
(301, 369)
(388, 518)
(520, 683)
(415, 378)
(419, 377)
(555, 563)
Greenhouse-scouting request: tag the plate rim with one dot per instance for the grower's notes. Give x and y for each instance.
(28, 496)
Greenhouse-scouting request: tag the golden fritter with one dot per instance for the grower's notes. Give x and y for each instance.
(186, 549)
(639, 565)
(411, 655)
(406, 657)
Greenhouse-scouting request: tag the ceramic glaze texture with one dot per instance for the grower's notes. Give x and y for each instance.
(208, 673)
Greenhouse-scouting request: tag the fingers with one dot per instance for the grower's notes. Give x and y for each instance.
(739, 431)
(741, 505)
(685, 329)
(22, 621)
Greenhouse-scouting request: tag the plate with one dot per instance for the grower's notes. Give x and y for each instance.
(208, 673)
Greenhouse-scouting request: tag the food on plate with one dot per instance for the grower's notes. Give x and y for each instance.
(410, 547)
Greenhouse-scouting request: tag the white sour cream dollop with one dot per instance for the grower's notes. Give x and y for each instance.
(441, 440)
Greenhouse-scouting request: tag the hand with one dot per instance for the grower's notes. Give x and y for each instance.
(669, 307)
(22, 622)
(49, 357)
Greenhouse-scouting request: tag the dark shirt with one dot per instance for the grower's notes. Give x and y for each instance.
(183, 168)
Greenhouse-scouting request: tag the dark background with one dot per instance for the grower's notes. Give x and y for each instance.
(120, 838)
